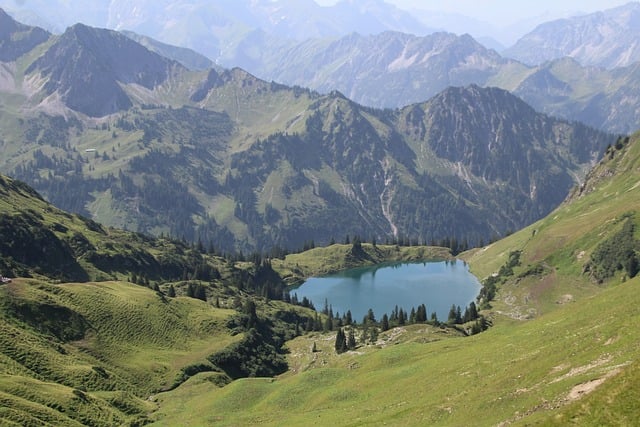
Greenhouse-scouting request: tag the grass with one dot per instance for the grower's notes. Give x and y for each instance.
(135, 344)
(512, 370)
(575, 361)
(321, 261)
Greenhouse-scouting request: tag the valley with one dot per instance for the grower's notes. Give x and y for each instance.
(160, 207)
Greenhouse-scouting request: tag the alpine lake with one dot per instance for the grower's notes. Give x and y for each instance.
(437, 285)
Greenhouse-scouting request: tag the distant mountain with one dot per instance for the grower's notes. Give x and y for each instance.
(57, 15)
(86, 68)
(216, 29)
(605, 99)
(606, 39)
(17, 39)
(386, 70)
(187, 57)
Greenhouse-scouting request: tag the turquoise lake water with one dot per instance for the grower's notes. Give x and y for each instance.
(438, 285)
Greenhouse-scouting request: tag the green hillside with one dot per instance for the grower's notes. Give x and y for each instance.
(574, 360)
(93, 353)
(143, 316)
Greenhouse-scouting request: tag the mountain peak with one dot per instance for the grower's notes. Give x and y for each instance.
(87, 66)
(16, 39)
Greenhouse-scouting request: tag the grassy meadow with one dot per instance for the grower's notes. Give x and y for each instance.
(99, 349)
(562, 349)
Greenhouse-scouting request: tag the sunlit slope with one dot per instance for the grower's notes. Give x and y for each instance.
(512, 372)
(556, 251)
(576, 359)
(69, 350)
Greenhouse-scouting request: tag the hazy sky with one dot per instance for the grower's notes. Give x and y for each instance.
(506, 12)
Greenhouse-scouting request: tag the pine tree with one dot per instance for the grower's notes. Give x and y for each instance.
(373, 337)
(370, 317)
(421, 314)
(351, 340)
(200, 292)
(458, 315)
(348, 319)
(328, 324)
(191, 292)
(341, 342)
(451, 318)
(434, 319)
(385, 322)
(473, 311)
(171, 292)
(249, 309)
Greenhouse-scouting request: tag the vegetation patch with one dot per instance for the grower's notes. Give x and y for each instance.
(617, 253)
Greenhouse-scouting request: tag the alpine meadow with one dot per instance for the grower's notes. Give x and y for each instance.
(172, 172)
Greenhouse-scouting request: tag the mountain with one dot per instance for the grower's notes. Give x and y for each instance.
(17, 39)
(221, 31)
(607, 39)
(383, 70)
(602, 98)
(40, 240)
(187, 57)
(57, 15)
(132, 139)
(217, 29)
(393, 70)
(85, 68)
(389, 69)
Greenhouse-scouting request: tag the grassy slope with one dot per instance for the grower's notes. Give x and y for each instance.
(135, 343)
(326, 260)
(579, 343)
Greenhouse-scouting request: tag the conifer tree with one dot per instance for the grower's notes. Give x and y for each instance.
(351, 340)
(348, 319)
(341, 341)
(373, 337)
(473, 311)
(328, 324)
(385, 323)
(370, 317)
(451, 318)
(421, 314)
(434, 319)
(401, 317)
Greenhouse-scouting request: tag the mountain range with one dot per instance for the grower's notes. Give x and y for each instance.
(162, 292)
(133, 139)
(606, 39)
(383, 66)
